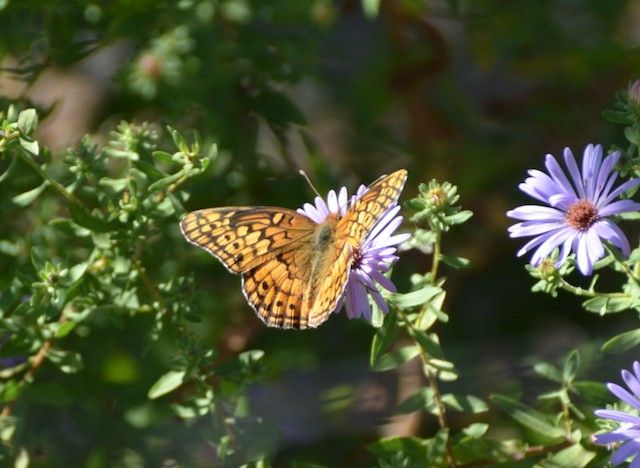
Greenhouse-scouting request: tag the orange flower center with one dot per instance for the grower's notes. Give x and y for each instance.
(581, 215)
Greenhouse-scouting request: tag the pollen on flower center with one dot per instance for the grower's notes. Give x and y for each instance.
(437, 197)
(357, 256)
(581, 215)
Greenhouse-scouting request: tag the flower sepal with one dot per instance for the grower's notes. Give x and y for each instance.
(549, 274)
(435, 206)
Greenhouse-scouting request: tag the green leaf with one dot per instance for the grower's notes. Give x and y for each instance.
(617, 117)
(548, 371)
(622, 342)
(165, 182)
(250, 358)
(29, 145)
(9, 172)
(77, 271)
(383, 338)
(371, 8)
(465, 403)
(459, 218)
(163, 157)
(592, 392)
(571, 366)
(427, 318)
(166, 384)
(178, 139)
(7, 427)
(396, 358)
(476, 430)
(38, 258)
(64, 329)
(22, 460)
(423, 399)
(575, 456)
(67, 361)
(88, 221)
(12, 113)
(607, 304)
(632, 135)
(455, 262)
(428, 343)
(471, 449)
(437, 449)
(10, 391)
(414, 447)
(27, 121)
(68, 227)
(149, 170)
(116, 185)
(447, 370)
(26, 198)
(528, 417)
(415, 298)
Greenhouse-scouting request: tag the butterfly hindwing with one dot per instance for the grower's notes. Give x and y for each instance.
(284, 292)
(275, 289)
(332, 285)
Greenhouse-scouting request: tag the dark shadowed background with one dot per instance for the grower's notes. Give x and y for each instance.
(470, 92)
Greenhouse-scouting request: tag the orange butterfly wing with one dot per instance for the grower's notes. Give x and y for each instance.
(351, 230)
(239, 236)
(361, 218)
(294, 271)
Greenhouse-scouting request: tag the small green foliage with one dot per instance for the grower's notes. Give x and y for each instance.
(622, 342)
(414, 316)
(529, 417)
(550, 277)
(435, 205)
(117, 335)
(115, 205)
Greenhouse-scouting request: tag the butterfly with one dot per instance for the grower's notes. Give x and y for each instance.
(294, 270)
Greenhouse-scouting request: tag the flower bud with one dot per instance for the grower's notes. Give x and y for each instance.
(634, 93)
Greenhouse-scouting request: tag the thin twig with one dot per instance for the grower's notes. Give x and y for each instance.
(52, 182)
(36, 363)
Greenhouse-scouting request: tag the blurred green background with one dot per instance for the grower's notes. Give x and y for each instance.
(474, 92)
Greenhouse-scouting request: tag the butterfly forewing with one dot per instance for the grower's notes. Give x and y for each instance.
(361, 218)
(240, 236)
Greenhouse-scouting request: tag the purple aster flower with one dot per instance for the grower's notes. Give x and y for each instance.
(628, 432)
(580, 205)
(376, 255)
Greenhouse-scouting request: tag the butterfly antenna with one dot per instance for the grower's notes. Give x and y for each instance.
(306, 177)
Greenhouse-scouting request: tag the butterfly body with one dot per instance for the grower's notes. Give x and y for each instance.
(294, 270)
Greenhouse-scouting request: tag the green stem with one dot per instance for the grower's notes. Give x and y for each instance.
(435, 262)
(35, 364)
(625, 267)
(587, 292)
(54, 184)
(432, 378)
(576, 290)
(567, 418)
